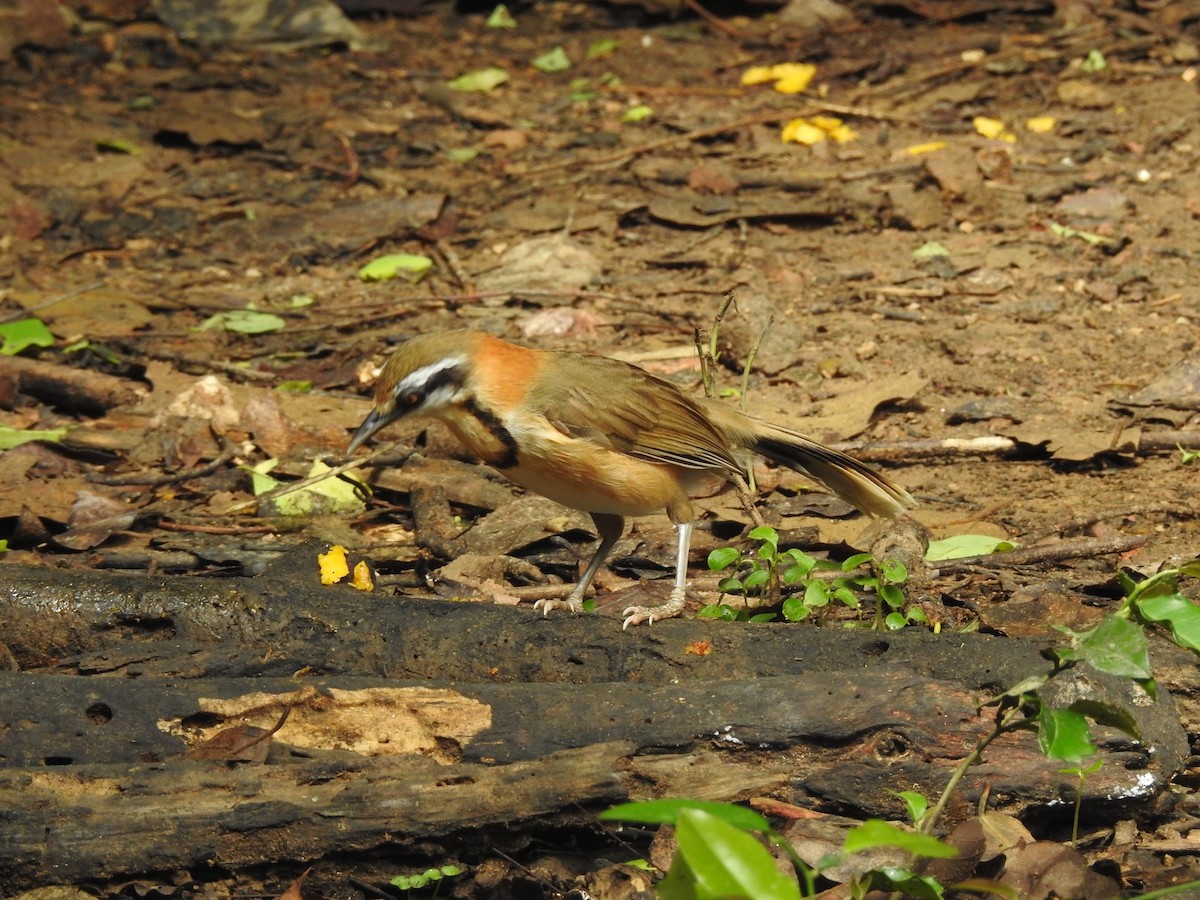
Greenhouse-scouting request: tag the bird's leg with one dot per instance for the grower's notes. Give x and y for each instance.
(609, 528)
(636, 615)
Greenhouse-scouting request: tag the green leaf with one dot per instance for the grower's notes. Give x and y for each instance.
(1117, 646)
(719, 611)
(3, 546)
(501, 18)
(916, 803)
(851, 563)
(894, 571)
(1024, 687)
(930, 250)
(1110, 714)
(894, 621)
(602, 47)
(794, 609)
(794, 574)
(555, 60)
(480, 80)
(243, 321)
(410, 266)
(1064, 734)
(118, 145)
(900, 881)
(667, 811)
(1094, 62)
(757, 578)
(636, 114)
(15, 437)
(816, 594)
(328, 496)
(878, 833)
(99, 349)
(1191, 567)
(892, 595)
(728, 862)
(962, 545)
(299, 386)
(722, 558)
(1066, 231)
(764, 533)
(18, 335)
(1179, 613)
(462, 154)
(731, 586)
(846, 596)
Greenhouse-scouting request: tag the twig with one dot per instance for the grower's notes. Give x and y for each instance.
(1086, 521)
(228, 451)
(307, 482)
(53, 300)
(716, 23)
(1084, 548)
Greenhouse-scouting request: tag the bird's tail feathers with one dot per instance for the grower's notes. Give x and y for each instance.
(853, 481)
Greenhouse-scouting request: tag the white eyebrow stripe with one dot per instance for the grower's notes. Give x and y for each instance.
(423, 377)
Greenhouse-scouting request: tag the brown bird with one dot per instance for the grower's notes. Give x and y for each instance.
(599, 435)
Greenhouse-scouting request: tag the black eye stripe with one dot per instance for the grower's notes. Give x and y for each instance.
(411, 395)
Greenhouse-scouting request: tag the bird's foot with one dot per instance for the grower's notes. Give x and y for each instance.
(571, 603)
(637, 615)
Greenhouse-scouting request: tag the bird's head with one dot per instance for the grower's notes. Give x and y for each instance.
(426, 376)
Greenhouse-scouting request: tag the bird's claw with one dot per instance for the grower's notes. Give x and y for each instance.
(546, 604)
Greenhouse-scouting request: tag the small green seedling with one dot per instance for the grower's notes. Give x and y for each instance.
(424, 879)
(720, 852)
(767, 572)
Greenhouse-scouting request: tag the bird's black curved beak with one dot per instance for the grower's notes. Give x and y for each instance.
(370, 425)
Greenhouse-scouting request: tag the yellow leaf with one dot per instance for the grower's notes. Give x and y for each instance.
(929, 147)
(835, 128)
(362, 577)
(993, 128)
(1041, 124)
(757, 75)
(333, 564)
(793, 78)
(989, 128)
(801, 131)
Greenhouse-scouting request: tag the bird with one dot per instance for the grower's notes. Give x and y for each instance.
(599, 435)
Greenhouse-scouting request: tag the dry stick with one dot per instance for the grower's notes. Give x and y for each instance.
(1086, 521)
(686, 137)
(307, 482)
(53, 300)
(228, 451)
(713, 130)
(1064, 550)
(718, 24)
(994, 444)
(172, 525)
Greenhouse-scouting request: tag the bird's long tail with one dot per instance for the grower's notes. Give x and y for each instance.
(853, 481)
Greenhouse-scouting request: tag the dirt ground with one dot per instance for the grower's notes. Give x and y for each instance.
(910, 288)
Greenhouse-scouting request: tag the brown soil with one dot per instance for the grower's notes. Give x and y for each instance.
(150, 186)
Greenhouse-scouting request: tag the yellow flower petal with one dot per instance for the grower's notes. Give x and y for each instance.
(1041, 124)
(929, 147)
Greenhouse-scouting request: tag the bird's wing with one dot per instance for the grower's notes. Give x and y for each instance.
(624, 408)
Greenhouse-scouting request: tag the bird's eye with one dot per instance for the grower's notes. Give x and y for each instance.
(411, 398)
